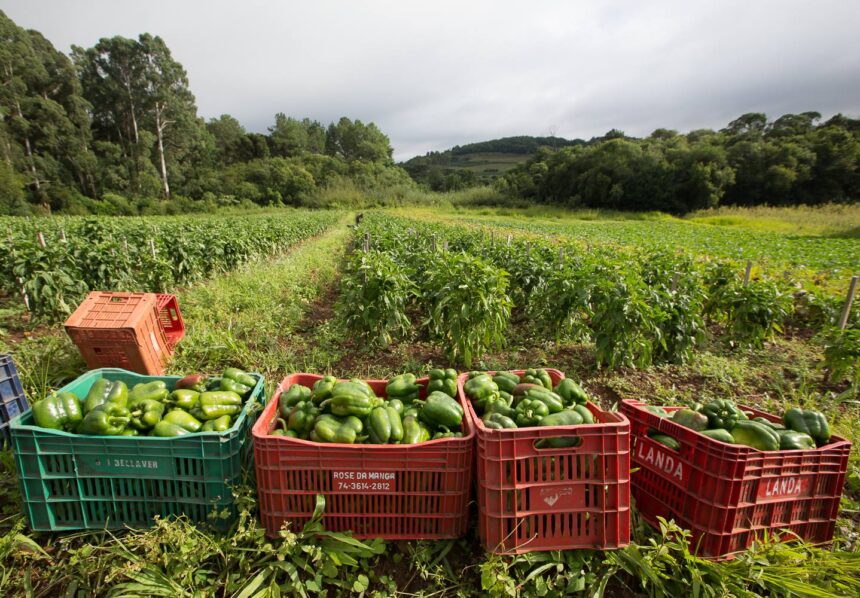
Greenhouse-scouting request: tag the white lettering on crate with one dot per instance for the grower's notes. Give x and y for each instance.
(661, 460)
(372, 481)
(135, 463)
(781, 487)
(551, 495)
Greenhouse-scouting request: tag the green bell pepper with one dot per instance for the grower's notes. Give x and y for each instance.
(341, 430)
(691, 419)
(183, 419)
(789, 440)
(397, 405)
(480, 388)
(222, 424)
(230, 385)
(217, 403)
(379, 426)
(165, 429)
(667, 441)
(537, 376)
(396, 424)
(145, 413)
(446, 433)
(552, 401)
(571, 392)
(775, 425)
(238, 381)
(294, 395)
(58, 412)
(499, 405)
(154, 391)
(106, 391)
(498, 421)
(108, 419)
(808, 422)
(722, 413)
(414, 431)
(440, 410)
(351, 398)
(506, 381)
(567, 417)
(755, 435)
(585, 413)
(322, 389)
(719, 434)
(530, 412)
(129, 432)
(443, 381)
(183, 398)
(403, 387)
(303, 417)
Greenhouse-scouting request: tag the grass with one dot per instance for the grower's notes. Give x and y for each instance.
(828, 220)
(252, 316)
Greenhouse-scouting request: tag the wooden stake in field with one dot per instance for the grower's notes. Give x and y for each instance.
(747, 273)
(675, 281)
(41, 238)
(63, 235)
(366, 242)
(846, 309)
(152, 248)
(561, 258)
(24, 293)
(434, 243)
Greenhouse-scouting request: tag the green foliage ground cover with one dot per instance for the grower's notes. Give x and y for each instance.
(278, 316)
(153, 254)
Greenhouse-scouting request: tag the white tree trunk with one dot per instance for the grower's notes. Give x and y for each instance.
(159, 128)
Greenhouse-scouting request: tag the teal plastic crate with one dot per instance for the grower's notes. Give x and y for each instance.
(74, 482)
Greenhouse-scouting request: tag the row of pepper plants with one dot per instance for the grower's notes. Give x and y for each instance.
(637, 306)
(154, 254)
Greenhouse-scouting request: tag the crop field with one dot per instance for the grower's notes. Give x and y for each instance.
(654, 309)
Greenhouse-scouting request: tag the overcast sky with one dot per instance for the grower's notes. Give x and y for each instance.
(433, 74)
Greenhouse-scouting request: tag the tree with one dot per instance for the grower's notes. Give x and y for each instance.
(136, 85)
(46, 129)
(291, 137)
(228, 135)
(751, 124)
(356, 141)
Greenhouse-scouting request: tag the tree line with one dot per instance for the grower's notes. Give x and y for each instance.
(114, 129)
(794, 159)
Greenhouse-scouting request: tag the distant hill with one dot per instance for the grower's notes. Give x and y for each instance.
(475, 163)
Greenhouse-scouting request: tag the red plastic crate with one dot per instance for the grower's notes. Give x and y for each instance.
(120, 330)
(727, 495)
(171, 319)
(532, 499)
(394, 492)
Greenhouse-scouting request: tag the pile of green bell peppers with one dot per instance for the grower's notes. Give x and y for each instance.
(506, 400)
(723, 420)
(351, 412)
(110, 408)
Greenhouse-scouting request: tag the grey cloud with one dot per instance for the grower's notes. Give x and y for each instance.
(436, 74)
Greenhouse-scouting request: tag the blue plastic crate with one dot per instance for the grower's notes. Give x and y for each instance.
(12, 399)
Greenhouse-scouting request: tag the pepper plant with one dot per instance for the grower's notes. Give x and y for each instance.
(468, 303)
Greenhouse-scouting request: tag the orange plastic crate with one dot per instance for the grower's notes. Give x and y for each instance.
(389, 491)
(532, 499)
(171, 319)
(120, 330)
